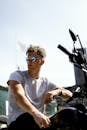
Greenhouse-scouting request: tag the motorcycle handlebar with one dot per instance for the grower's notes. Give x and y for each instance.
(75, 58)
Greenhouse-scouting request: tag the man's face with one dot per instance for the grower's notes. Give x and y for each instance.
(34, 61)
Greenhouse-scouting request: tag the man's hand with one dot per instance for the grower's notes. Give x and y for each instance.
(42, 120)
(49, 96)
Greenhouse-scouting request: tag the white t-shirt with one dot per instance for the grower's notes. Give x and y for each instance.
(34, 90)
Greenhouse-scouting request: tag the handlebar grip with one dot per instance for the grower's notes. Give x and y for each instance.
(64, 50)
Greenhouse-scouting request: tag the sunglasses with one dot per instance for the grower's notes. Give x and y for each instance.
(32, 59)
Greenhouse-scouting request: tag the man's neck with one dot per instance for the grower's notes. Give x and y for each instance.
(34, 74)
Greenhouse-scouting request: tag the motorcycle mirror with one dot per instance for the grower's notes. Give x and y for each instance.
(73, 36)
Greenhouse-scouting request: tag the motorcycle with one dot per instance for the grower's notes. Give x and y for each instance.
(73, 115)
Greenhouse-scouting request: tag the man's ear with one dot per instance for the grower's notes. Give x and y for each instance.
(42, 62)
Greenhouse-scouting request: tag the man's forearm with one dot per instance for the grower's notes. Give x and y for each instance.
(25, 104)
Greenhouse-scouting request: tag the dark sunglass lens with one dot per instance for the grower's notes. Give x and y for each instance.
(33, 59)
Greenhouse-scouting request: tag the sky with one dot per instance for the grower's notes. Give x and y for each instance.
(45, 23)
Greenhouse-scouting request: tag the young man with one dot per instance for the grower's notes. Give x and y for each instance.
(28, 92)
